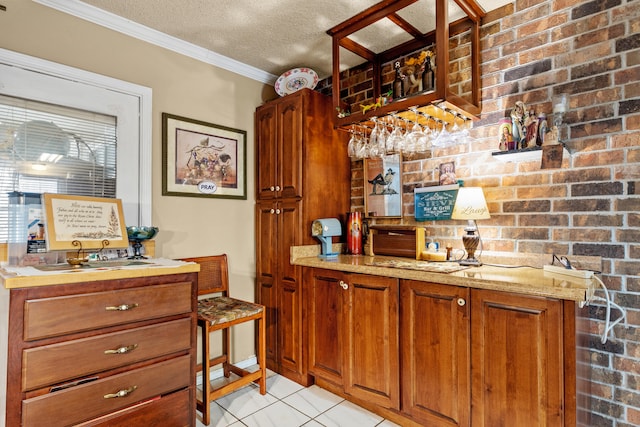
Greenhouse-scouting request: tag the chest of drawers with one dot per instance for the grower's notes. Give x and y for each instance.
(113, 352)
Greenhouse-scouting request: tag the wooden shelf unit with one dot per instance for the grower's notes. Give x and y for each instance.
(440, 36)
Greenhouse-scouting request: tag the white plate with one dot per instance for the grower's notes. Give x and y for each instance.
(296, 79)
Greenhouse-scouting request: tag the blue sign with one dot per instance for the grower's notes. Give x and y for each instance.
(435, 203)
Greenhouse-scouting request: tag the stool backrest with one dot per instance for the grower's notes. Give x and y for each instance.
(214, 274)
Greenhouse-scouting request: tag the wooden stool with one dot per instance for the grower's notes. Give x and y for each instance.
(220, 313)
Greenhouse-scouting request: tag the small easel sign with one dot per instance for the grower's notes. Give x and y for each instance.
(87, 221)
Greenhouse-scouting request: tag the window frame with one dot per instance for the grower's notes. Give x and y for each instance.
(138, 97)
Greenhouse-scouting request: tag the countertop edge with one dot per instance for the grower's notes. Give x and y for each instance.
(578, 290)
(10, 281)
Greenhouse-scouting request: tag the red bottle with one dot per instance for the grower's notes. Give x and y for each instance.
(354, 233)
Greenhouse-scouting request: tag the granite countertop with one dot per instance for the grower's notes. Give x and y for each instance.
(23, 277)
(509, 276)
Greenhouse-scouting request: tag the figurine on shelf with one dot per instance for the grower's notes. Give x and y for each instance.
(398, 82)
(518, 129)
(504, 131)
(531, 124)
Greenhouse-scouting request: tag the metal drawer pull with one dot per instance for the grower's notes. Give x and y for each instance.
(122, 350)
(121, 307)
(121, 393)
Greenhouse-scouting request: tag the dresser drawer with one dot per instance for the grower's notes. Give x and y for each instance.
(48, 317)
(82, 357)
(173, 410)
(88, 401)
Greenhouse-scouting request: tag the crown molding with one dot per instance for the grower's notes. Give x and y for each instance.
(117, 23)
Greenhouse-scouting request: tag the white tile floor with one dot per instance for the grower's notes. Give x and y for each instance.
(288, 404)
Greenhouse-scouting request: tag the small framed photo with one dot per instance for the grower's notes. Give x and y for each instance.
(383, 186)
(202, 159)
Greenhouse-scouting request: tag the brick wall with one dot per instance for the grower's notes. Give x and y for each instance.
(532, 49)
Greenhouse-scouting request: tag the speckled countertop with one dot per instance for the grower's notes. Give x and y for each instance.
(505, 275)
(22, 277)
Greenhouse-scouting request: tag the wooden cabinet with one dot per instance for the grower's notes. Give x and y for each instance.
(517, 360)
(119, 352)
(353, 334)
(435, 353)
(464, 357)
(302, 173)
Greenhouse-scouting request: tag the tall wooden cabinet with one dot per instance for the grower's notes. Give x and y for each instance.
(302, 173)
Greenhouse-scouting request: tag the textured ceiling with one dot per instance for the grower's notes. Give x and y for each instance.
(271, 35)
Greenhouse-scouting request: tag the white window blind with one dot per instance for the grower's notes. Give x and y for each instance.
(54, 149)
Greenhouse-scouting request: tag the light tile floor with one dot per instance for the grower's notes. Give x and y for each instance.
(288, 404)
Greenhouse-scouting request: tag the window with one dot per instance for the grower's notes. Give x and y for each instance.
(64, 130)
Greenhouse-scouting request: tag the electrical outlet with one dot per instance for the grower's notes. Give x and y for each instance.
(582, 274)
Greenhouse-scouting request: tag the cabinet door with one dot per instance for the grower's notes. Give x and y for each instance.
(266, 273)
(290, 145)
(435, 353)
(266, 151)
(373, 369)
(325, 310)
(517, 360)
(290, 354)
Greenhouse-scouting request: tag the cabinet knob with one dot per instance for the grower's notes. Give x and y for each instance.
(461, 302)
(277, 211)
(344, 284)
(277, 188)
(272, 211)
(122, 350)
(272, 188)
(121, 307)
(121, 393)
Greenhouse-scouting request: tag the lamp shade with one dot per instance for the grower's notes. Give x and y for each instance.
(470, 204)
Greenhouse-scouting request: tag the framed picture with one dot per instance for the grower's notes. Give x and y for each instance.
(383, 186)
(82, 222)
(201, 159)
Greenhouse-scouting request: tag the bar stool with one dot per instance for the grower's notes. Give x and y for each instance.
(221, 312)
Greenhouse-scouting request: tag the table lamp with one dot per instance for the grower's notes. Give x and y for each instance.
(470, 205)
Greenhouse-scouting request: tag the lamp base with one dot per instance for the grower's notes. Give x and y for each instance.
(473, 262)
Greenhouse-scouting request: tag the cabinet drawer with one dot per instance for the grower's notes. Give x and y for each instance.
(173, 410)
(88, 401)
(48, 317)
(82, 357)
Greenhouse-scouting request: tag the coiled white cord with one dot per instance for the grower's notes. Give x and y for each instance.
(608, 324)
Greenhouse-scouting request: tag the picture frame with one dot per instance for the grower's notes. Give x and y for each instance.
(383, 186)
(201, 159)
(83, 222)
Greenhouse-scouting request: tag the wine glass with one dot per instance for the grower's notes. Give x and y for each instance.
(396, 139)
(412, 137)
(374, 149)
(351, 147)
(383, 135)
(424, 142)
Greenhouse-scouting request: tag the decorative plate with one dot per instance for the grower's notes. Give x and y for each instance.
(296, 79)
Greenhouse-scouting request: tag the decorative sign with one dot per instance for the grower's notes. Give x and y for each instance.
(88, 220)
(435, 203)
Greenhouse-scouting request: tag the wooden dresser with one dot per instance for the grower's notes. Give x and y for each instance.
(103, 352)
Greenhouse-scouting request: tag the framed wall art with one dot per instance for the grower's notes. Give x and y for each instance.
(202, 159)
(83, 222)
(383, 186)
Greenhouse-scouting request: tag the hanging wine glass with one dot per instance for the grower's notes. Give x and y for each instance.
(444, 137)
(351, 147)
(363, 144)
(383, 135)
(424, 142)
(412, 137)
(374, 149)
(395, 138)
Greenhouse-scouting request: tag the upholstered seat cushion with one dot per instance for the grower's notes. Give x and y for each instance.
(221, 309)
